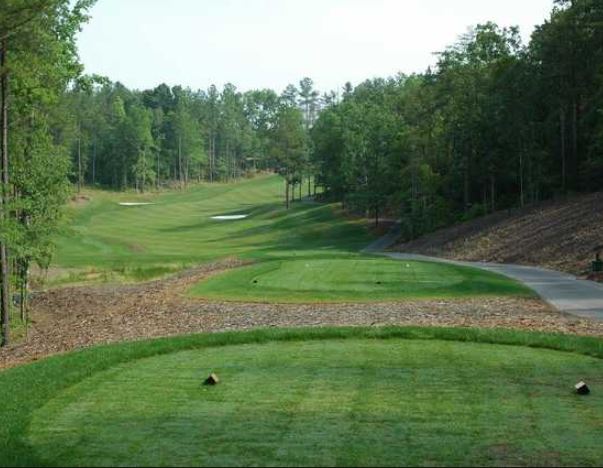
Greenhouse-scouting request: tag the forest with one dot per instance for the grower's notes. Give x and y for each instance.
(496, 124)
(493, 125)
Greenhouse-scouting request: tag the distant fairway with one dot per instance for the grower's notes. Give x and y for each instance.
(177, 230)
(306, 254)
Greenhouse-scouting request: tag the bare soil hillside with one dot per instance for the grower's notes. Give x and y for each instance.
(560, 235)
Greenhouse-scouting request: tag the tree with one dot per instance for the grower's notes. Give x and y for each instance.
(140, 141)
(308, 101)
(495, 125)
(37, 58)
(289, 146)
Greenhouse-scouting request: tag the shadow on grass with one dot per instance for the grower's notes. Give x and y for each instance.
(303, 227)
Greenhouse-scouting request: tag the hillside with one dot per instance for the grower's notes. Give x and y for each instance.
(561, 235)
(115, 236)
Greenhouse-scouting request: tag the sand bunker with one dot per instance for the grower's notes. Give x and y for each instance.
(230, 217)
(135, 204)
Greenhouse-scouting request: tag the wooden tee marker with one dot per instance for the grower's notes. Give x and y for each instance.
(582, 388)
(211, 380)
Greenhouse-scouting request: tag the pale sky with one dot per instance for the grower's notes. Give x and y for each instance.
(271, 43)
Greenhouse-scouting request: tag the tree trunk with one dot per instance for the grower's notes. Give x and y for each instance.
(187, 169)
(287, 193)
(563, 149)
(180, 161)
(521, 170)
(466, 199)
(209, 159)
(124, 173)
(79, 157)
(24, 279)
(575, 156)
(4, 273)
(94, 163)
(212, 158)
(157, 175)
(227, 161)
(144, 171)
(493, 193)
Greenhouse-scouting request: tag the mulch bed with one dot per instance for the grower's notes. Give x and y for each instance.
(73, 318)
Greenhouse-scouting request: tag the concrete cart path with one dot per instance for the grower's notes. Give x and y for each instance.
(563, 291)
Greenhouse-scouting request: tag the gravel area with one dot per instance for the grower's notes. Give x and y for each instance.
(73, 318)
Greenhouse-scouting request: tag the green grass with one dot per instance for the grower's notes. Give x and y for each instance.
(306, 254)
(178, 231)
(346, 396)
(354, 280)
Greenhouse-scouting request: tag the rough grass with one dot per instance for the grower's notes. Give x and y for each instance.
(342, 396)
(354, 280)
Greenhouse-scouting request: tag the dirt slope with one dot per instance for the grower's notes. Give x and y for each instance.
(561, 235)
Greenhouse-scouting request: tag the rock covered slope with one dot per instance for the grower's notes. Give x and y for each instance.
(560, 235)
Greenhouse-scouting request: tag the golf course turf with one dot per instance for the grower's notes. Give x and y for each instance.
(178, 229)
(308, 253)
(346, 396)
(354, 280)
(294, 397)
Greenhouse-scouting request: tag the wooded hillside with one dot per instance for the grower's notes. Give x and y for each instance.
(496, 124)
(558, 234)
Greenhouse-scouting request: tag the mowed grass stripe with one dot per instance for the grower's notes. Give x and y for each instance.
(355, 279)
(352, 402)
(106, 235)
(28, 388)
(177, 231)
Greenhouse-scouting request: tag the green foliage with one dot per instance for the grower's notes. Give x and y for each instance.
(289, 143)
(184, 135)
(41, 62)
(41, 181)
(497, 124)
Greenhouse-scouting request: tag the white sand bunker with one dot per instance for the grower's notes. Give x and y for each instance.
(230, 217)
(135, 204)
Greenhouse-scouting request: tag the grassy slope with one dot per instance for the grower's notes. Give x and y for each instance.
(438, 402)
(301, 250)
(178, 231)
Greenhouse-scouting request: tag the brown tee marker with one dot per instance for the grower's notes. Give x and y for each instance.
(582, 389)
(211, 380)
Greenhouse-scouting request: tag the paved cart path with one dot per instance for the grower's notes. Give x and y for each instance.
(563, 291)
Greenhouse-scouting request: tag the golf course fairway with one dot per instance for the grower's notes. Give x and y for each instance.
(309, 253)
(178, 229)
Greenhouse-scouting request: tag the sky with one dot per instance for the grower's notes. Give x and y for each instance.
(271, 43)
